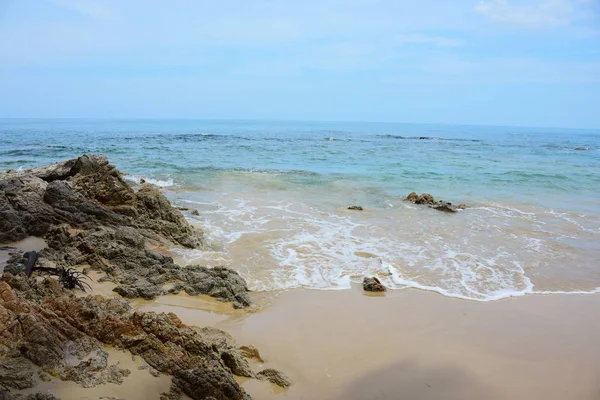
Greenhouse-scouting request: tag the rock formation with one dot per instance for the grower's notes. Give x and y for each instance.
(440, 205)
(90, 217)
(373, 285)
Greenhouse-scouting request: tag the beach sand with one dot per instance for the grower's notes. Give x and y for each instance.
(411, 344)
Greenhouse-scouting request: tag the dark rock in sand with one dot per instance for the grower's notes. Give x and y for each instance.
(373, 285)
(275, 377)
(356, 208)
(221, 283)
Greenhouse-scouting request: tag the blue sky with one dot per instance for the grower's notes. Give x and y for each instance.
(497, 62)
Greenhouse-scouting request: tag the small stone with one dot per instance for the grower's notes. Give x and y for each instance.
(356, 208)
(373, 285)
(196, 212)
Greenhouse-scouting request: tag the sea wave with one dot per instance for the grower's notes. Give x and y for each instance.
(484, 256)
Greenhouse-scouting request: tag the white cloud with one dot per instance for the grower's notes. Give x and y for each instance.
(543, 14)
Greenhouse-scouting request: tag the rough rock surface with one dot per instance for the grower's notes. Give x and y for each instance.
(373, 285)
(355, 208)
(47, 327)
(274, 376)
(90, 217)
(429, 200)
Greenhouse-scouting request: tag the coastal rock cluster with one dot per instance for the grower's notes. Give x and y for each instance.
(429, 200)
(90, 217)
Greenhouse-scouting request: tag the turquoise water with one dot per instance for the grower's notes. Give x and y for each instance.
(315, 169)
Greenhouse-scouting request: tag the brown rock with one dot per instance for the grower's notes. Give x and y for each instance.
(373, 285)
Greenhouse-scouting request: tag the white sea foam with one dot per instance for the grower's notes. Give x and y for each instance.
(486, 255)
(137, 179)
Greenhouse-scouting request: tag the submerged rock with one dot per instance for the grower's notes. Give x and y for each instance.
(581, 148)
(429, 200)
(275, 377)
(356, 208)
(373, 285)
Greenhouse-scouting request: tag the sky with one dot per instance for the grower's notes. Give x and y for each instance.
(489, 62)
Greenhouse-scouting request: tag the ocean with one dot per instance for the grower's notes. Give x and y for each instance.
(272, 198)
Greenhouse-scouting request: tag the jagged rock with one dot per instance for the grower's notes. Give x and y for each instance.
(91, 216)
(85, 192)
(140, 289)
(275, 377)
(45, 325)
(222, 283)
(35, 334)
(412, 197)
(429, 200)
(356, 208)
(196, 212)
(200, 384)
(16, 372)
(373, 285)
(425, 198)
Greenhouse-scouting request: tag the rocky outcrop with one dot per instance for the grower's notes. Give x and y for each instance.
(373, 285)
(47, 328)
(85, 193)
(355, 208)
(429, 200)
(33, 338)
(90, 216)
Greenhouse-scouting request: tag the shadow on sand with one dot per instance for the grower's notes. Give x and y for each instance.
(408, 380)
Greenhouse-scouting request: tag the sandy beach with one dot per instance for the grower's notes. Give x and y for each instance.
(409, 344)
(415, 345)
